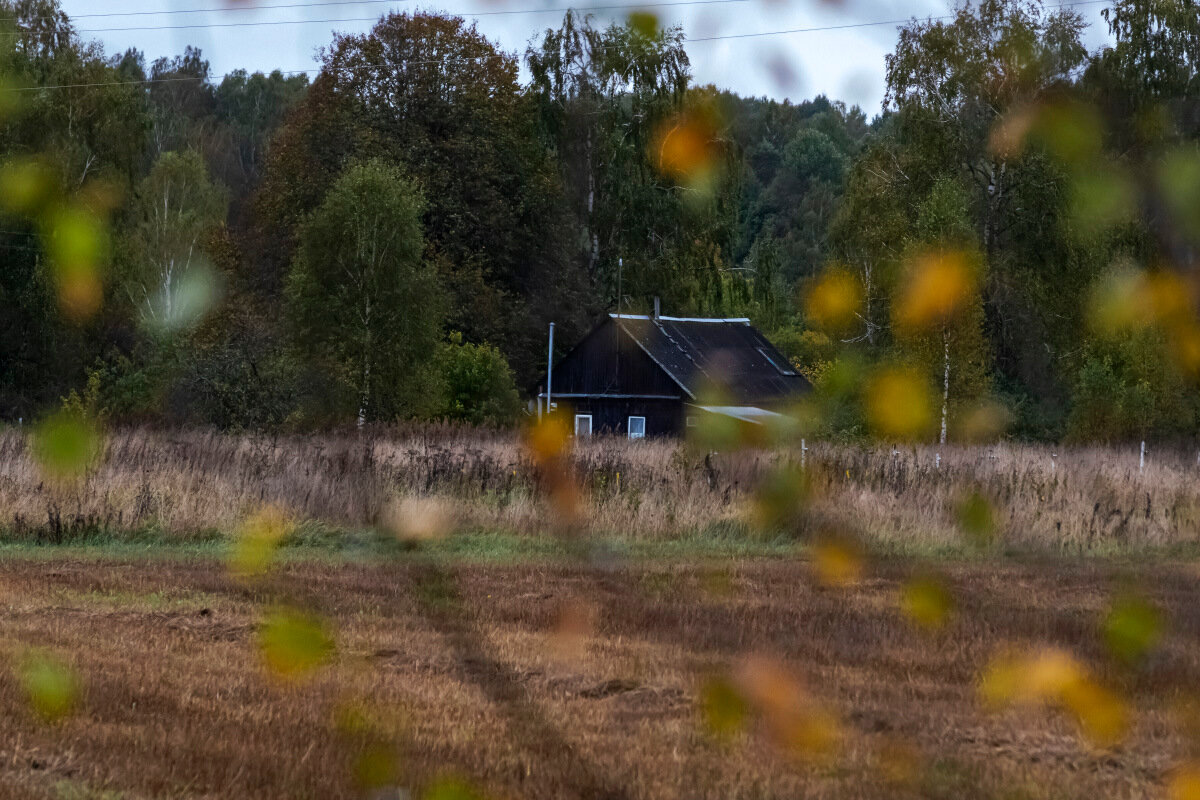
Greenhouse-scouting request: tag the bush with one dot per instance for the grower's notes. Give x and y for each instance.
(478, 384)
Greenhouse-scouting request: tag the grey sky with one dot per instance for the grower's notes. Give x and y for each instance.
(844, 64)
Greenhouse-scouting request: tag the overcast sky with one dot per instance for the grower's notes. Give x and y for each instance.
(844, 64)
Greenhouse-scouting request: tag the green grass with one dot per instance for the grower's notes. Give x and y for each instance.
(319, 542)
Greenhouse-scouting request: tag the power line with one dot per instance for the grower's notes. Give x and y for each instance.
(515, 11)
(323, 4)
(498, 12)
(702, 39)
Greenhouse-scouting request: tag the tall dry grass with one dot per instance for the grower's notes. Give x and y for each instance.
(185, 482)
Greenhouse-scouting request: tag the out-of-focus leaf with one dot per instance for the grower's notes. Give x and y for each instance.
(376, 766)
(837, 560)
(937, 287)
(77, 243)
(781, 498)
(26, 185)
(976, 519)
(644, 24)
(452, 788)
(1100, 197)
(50, 685)
(1132, 627)
(833, 301)
(898, 404)
(1184, 783)
(294, 643)
(257, 540)
(1179, 181)
(927, 602)
(66, 445)
(723, 707)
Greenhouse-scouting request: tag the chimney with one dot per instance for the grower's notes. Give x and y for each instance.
(656, 310)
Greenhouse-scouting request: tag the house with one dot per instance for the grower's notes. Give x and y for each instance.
(654, 375)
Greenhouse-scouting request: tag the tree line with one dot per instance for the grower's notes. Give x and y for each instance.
(390, 239)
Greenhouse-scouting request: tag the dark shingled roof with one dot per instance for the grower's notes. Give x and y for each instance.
(700, 354)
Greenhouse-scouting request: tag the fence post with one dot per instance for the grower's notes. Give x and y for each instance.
(1142, 458)
(1053, 463)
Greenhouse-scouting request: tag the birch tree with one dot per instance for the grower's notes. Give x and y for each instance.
(176, 207)
(365, 306)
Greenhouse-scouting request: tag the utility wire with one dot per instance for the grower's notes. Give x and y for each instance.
(702, 39)
(502, 12)
(323, 4)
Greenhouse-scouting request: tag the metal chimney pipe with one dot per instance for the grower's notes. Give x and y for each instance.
(550, 371)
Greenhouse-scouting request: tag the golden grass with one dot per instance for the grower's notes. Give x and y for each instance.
(475, 672)
(185, 482)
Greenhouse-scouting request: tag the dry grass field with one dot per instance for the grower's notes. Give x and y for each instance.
(442, 614)
(478, 673)
(184, 485)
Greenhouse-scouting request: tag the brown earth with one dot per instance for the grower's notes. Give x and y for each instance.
(551, 680)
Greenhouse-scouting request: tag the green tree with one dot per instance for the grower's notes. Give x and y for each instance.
(175, 208)
(365, 306)
(478, 384)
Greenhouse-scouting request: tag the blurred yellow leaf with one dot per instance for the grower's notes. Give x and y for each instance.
(26, 184)
(376, 766)
(926, 601)
(1054, 677)
(1101, 196)
(1132, 627)
(50, 685)
(549, 438)
(687, 148)
(836, 561)
(294, 643)
(982, 422)
(723, 707)
(1101, 715)
(898, 404)
(257, 540)
(938, 286)
(1184, 783)
(794, 719)
(66, 445)
(419, 519)
(781, 498)
(833, 302)
(976, 520)
(451, 788)
(76, 242)
(644, 23)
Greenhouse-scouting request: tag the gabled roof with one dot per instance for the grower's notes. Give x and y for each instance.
(702, 354)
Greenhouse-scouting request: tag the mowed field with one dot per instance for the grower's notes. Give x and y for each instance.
(548, 678)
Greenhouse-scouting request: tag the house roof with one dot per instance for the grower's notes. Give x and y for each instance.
(702, 355)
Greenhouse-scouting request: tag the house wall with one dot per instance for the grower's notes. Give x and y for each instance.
(663, 417)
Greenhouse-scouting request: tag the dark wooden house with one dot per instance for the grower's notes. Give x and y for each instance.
(654, 375)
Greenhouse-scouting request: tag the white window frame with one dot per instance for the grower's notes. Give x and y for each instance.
(579, 418)
(629, 427)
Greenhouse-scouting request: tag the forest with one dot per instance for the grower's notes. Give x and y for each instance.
(389, 239)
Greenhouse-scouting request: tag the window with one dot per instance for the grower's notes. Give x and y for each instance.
(637, 427)
(583, 424)
(781, 370)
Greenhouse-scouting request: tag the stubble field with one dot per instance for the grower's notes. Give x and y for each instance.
(551, 679)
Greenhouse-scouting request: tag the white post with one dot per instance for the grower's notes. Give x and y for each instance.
(1142, 458)
(1053, 465)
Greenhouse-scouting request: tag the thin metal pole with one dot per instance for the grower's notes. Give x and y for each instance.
(550, 372)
